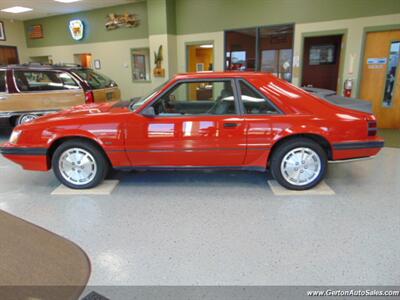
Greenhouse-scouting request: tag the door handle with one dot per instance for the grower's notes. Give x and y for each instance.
(230, 125)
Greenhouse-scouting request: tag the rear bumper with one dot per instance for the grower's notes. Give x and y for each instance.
(356, 149)
(34, 159)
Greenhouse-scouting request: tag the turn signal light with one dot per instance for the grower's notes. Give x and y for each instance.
(372, 128)
(89, 97)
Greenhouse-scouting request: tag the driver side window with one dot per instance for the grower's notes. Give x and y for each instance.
(197, 98)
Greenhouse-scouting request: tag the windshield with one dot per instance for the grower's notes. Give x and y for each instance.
(95, 80)
(136, 104)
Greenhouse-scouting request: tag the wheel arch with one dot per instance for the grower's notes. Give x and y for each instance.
(319, 139)
(58, 141)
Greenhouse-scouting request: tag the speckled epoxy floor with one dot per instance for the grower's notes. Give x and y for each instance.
(194, 228)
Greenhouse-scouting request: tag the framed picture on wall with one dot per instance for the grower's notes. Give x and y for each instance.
(322, 55)
(2, 32)
(140, 62)
(35, 31)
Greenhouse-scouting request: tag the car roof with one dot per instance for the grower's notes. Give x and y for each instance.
(37, 66)
(222, 74)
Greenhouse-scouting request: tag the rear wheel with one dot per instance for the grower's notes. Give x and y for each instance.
(79, 164)
(299, 164)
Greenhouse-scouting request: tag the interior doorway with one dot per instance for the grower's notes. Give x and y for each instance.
(8, 55)
(321, 62)
(380, 82)
(200, 57)
(83, 59)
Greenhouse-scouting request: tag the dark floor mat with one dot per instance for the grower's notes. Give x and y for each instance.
(38, 264)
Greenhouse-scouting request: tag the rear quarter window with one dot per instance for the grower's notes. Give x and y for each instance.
(38, 81)
(95, 80)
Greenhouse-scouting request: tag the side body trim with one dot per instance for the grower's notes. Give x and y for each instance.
(23, 151)
(357, 145)
(188, 150)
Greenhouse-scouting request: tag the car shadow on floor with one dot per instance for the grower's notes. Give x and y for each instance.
(198, 179)
(4, 134)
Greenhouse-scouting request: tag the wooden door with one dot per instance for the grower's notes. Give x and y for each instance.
(8, 55)
(321, 61)
(380, 81)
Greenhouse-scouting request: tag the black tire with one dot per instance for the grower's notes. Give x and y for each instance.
(283, 149)
(26, 118)
(102, 165)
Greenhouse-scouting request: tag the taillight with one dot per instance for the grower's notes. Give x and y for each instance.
(89, 97)
(372, 128)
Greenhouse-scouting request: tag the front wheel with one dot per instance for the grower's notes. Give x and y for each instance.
(299, 164)
(79, 164)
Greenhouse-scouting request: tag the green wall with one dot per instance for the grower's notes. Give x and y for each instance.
(161, 15)
(56, 32)
(196, 16)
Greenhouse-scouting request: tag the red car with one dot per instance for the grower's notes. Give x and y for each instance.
(227, 120)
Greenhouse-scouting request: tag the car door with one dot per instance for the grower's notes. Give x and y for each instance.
(42, 90)
(196, 124)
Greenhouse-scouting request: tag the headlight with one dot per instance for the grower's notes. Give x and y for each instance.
(15, 136)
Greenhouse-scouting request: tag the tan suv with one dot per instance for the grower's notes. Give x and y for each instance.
(29, 91)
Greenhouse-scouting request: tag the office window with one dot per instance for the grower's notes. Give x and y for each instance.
(267, 49)
(241, 49)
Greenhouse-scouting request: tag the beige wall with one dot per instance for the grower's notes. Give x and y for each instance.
(353, 42)
(116, 61)
(114, 57)
(15, 36)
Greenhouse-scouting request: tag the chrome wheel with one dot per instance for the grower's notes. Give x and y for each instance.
(26, 118)
(301, 166)
(77, 166)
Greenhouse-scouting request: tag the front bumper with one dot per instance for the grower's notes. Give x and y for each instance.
(34, 159)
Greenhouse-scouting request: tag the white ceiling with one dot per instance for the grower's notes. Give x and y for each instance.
(45, 8)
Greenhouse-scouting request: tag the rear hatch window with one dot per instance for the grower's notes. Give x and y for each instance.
(95, 80)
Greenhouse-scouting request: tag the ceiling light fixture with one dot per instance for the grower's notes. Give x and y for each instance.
(67, 1)
(207, 46)
(16, 9)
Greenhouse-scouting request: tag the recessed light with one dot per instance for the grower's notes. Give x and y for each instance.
(67, 1)
(16, 9)
(207, 46)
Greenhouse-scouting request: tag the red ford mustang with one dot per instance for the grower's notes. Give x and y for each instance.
(247, 121)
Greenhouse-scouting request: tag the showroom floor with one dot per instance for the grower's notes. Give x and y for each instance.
(219, 228)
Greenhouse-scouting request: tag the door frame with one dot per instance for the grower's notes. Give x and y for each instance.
(14, 47)
(366, 30)
(194, 43)
(343, 45)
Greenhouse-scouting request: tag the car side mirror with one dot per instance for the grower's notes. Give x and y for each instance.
(149, 112)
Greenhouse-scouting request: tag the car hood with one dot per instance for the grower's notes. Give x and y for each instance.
(84, 110)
